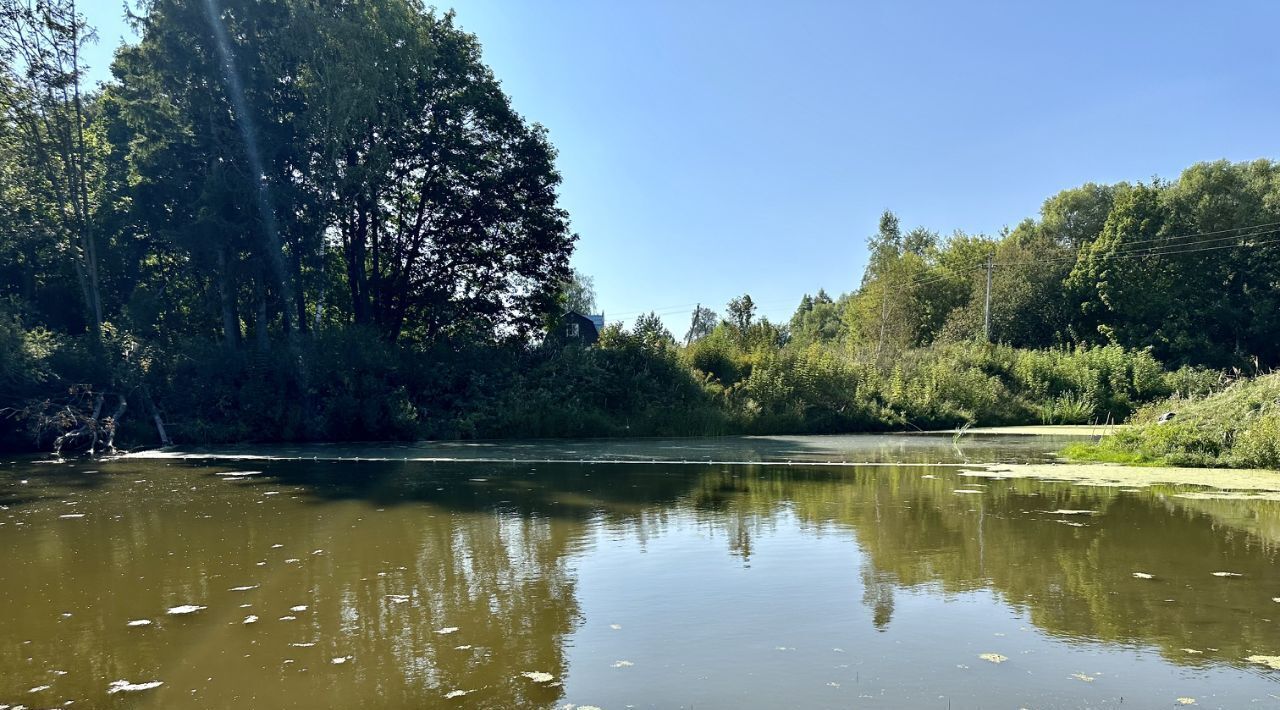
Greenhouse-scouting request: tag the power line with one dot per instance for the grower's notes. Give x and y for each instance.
(1158, 250)
(1263, 225)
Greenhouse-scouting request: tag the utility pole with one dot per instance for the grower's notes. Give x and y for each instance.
(986, 311)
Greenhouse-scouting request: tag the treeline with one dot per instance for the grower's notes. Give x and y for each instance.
(1188, 268)
(283, 220)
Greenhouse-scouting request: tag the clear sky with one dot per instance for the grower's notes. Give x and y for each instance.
(713, 148)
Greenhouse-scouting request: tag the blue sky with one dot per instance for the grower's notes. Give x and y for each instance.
(713, 148)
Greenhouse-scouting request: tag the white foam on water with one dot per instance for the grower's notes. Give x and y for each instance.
(124, 686)
(538, 676)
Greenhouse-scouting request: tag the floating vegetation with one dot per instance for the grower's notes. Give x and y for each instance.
(1143, 575)
(1268, 661)
(124, 686)
(993, 657)
(538, 676)
(185, 609)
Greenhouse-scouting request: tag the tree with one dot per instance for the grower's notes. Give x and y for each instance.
(701, 323)
(447, 212)
(651, 333)
(273, 132)
(1184, 267)
(884, 246)
(741, 312)
(816, 320)
(43, 106)
(210, 93)
(578, 293)
(1074, 218)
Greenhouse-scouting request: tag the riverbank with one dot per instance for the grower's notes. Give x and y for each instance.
(1238, 427)
(348, 385)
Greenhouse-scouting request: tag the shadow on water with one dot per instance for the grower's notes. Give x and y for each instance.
(54, 480)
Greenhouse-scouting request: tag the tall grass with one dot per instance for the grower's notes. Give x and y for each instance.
(1238, 426)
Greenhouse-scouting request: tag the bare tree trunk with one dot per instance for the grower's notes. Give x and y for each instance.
(80, 159)
(112, 424)
(93, 423)
(299, 293)
(227, 300)
(155, 417)
(260, 319)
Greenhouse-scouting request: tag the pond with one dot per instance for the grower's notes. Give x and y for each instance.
(862, 571)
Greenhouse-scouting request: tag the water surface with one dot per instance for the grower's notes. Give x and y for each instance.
(629, 581)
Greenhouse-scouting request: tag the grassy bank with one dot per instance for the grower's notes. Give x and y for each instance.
(1238, 427)
(349, 385)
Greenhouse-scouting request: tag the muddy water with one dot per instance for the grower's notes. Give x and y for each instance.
(626, 582)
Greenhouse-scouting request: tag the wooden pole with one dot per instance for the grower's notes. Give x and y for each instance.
(986, 311)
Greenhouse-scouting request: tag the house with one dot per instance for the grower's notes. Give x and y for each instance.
(577, 328)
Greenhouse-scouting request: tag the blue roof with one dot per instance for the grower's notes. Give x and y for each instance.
(598, 321)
